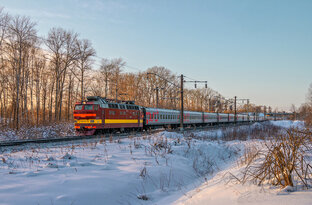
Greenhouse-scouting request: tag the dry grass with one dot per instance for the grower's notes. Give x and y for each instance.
(284, 161)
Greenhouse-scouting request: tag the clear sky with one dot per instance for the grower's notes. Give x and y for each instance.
(257, 49)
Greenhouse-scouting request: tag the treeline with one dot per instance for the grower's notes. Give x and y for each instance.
(304, 112)
(41, 78)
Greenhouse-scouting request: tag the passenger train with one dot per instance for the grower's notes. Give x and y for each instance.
(101, 115)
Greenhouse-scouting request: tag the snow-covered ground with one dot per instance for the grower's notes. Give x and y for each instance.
(220, 190)
(288, 123)
(47, 131)
(163, 168)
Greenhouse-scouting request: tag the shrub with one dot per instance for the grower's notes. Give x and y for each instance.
(283, 161)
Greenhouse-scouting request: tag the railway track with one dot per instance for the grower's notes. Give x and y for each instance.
(115, 135)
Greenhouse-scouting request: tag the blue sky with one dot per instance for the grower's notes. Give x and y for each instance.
(254, 49)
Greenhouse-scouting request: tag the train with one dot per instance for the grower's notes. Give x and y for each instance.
(98, 115)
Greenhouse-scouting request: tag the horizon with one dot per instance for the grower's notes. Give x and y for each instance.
(264, 46)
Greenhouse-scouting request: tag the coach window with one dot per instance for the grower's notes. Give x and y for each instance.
(96, 107)
(78, 107)
(88, 107)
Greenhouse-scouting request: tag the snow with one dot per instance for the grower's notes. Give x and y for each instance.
(48, 131)
(163, 168)
(288, 123)
(221, 190)
(218, 192)
(96, 171)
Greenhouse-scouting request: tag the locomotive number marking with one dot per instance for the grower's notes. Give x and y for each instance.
(88, 121)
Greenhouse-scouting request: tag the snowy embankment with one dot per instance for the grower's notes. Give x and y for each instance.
(152, 169)
(47, 131)
(106, 171)
(288, 123)
(225, 188)
(221, 190)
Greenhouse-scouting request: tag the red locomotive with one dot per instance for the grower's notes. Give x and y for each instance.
(99, 115)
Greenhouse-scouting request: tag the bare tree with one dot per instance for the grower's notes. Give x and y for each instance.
(309, 95)
(62, 45)
(4, 22)
(106, 71)
(84, 61)
(111, 70)
(22, 35)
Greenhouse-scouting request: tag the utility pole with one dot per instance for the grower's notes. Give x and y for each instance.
(182, 108)
(181, 91)
(209, 105)
(157, 95)
(116, 92)
(157, 90)
(235, 109)
(248, 109)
